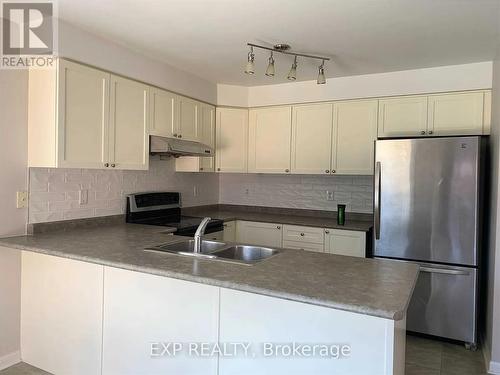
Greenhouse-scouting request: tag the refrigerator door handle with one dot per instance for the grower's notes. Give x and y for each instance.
(444, 271)
(376, 199)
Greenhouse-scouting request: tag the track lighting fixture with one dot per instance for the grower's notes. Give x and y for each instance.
(292, 74)
(321, 74)
(284, 48)
(270, 66)
(250, 69)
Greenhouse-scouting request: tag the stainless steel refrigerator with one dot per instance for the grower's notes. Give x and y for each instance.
(427, 211)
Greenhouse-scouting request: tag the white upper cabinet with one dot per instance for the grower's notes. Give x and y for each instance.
(403, 116)
(189, 123)
(128, 135)
(231, 154)
(312, 138)
(83, 104)
(456, 114)
(163, 112)
(355, 131)
(270, 131)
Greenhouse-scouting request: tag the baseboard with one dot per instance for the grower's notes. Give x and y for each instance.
(493, 368)
(10, 360)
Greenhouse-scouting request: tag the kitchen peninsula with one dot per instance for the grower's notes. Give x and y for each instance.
(94, 302)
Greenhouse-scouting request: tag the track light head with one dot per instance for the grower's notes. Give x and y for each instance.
(250, 68)
(321, 74)
(270, 67)
(292, 74)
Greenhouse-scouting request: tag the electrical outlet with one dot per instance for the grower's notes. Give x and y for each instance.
(21, 199)
(329, 195)
(83, 197)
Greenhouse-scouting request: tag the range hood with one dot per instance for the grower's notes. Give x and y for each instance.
(178, 147)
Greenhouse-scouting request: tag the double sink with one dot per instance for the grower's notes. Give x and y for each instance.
(214, 250)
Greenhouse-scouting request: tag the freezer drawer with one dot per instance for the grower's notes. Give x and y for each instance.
(444, 302)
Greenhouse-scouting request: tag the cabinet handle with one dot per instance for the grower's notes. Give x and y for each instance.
(302, 234)
(287, 170)
(422, 132)
(106, 165)
(201, 169)
(333, 170)
(180, 135)
(278, 227)
(327, 231)
(175, 135)
(218, 169)
(431, 132)
(113, 165)
(327, 171)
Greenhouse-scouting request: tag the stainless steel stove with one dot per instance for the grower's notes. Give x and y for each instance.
(164, 209)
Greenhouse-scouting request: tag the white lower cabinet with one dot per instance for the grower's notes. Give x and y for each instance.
(229, 233)
(345, 242)
(61, 314)
(304, 238)
(262, 234)
(142, 309)
(301, 245)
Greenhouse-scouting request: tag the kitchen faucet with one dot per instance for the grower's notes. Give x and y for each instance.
(200, 232)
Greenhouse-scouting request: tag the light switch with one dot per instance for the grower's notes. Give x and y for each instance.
(21, 199)
(329, 195)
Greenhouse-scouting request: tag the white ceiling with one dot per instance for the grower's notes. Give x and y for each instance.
(208, 37)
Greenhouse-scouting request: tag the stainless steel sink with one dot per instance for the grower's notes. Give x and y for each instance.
(244, 253)
(188, 247)
(215, 250)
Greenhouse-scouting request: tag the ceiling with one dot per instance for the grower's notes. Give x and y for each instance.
(208, 37)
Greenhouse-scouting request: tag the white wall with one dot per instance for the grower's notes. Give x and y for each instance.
(13, 159)
(91, 49)
(297, 191)
(492, 334)
(417, 81)
(54, 192)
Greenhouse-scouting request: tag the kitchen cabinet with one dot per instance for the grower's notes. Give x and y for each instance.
(269, 140)
(456, 114)
(312, 139)
(229, 231)
(142, 309)
(256, 233)
(163, 113)
(403, 116)
(189, 122)
(304, 238)
(345, 242)
(81, 117)
(129, 123)
(207, 136)
(61, 314)
(355, 131)
(231, 154)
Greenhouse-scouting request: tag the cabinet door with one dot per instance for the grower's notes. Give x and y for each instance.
(269, 145)
(355, 124)
(456, 114)
(189, 124)
(141, 311)
(232, 140)
(404, 116)
(129, 139)
(163, 113)
(229, 231)
(312, 139)
(345, 242)
(83, 116)
(61, 314)
(262, 234)
(207, 135)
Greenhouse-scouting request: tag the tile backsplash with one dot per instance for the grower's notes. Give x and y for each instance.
(298, 191)
(54, 193)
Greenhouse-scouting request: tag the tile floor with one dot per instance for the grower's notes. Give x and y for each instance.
(423, 357)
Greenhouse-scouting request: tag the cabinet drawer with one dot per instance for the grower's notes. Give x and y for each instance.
(309, 246)
(303, 234)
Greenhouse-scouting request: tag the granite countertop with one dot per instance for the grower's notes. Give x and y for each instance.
(368, 286)
(280, 216)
